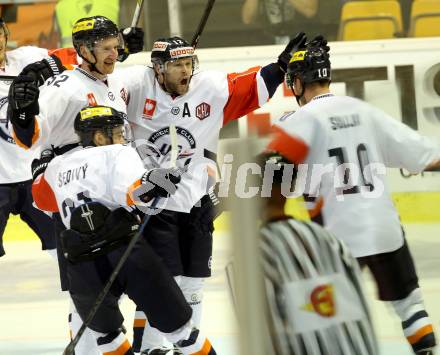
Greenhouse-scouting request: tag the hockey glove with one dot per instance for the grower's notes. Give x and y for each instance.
(319, 41)
(160, 182)
(296, 43)
(44, 69)
(23, 101)
(39, 165)
(133, 40)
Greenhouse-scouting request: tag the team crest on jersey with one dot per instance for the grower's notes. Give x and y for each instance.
(186, 143)
(111, 96)
(91, 99)
(175, 110)
(149, 108)
(203, 111)
(322, 301)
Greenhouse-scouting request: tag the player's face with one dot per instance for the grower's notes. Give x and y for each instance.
(178, 75)
(2, 45)
(106, 54)
(118, 135)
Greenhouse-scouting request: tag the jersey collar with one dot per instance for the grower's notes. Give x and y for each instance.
(90, 76)
(322, 96)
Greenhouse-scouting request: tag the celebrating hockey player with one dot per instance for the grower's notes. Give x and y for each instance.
(199, 104)
(15, 171)
(356, 206)
(43, 119)
(90, 187)
(298, 257)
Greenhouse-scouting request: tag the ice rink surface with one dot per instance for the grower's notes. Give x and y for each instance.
(33, 312)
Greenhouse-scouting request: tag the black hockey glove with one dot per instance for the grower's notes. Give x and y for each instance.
(23, 101)
(44, 69)
(319, 41)
(296, 43)
(39, 165)
(160, 182)
(133, 41)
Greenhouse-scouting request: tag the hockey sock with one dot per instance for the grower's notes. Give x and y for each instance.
(192, 289)
(87, 344)
(146, 337)
(416, 324)
(196, 344)
(52, 253)
(138, 329)
(114, 343)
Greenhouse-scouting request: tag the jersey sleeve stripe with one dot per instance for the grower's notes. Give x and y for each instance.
(243, 94)
(292, 148)
(68, 56)
(316, 209)
(131, 189)
(26, 137)
(43, 195)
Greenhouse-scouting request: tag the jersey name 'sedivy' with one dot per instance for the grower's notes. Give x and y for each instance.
(69, 175)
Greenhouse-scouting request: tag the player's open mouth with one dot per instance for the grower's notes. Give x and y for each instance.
(184, 82)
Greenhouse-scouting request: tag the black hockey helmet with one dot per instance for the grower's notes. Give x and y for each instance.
(90, 30)
(5, 28)
(97, 118)
(173, 48)
(310, 64)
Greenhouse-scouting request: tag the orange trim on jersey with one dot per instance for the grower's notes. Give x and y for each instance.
(43, 195)
(412, 339)
(139, 323)
(131, 188)
(35, 136)
(290, 147)
(122, 350)
(205, 349)
(68, 56)
(315, 211)
(243, 94)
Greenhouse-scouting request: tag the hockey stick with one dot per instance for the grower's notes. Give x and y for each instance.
(137, 13)
(174, 148)
(7, 77)
(70, 349)
(202, 23)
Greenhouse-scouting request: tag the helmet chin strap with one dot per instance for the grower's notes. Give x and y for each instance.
(298, 97)
(93, 67)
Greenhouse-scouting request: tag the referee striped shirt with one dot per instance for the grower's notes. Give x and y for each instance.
(314, 293)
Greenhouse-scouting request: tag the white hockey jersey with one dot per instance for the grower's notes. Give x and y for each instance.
(106, 174)
(214, 98)
(62, 97)
(346, 144)
(16, 163)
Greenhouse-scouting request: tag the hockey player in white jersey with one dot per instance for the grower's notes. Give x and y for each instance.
(105, 177)
(313, 284)
(199, 104)
(43, 118)
(15, 170)
(357, 141)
